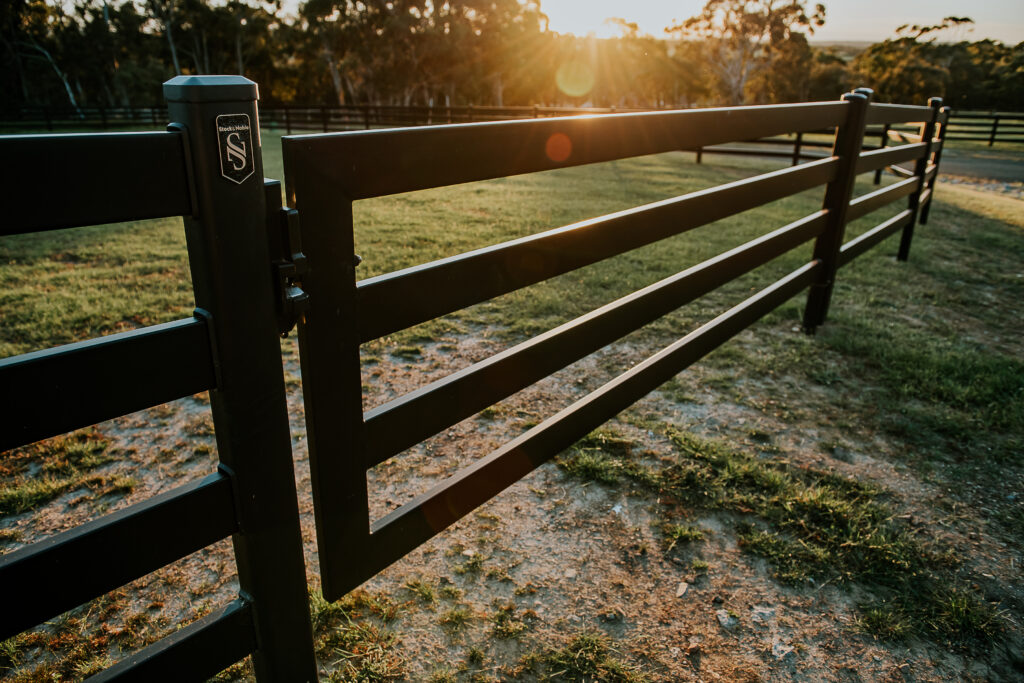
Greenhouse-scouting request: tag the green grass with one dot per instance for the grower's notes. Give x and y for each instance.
(34, 475)
(588, 657)
(351, 634)
(814, 526)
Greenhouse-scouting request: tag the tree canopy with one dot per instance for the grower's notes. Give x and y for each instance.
(484, 52)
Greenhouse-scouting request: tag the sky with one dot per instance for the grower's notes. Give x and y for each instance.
(853, 20)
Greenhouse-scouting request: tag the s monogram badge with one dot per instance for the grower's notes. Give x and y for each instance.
(234, 137)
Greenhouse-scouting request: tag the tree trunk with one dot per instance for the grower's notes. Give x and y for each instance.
(56, 70)
(332, 67)
(174, 50)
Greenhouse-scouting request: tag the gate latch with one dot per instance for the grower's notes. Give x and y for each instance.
(289, 265)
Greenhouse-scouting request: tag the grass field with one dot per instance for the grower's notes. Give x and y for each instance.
(926, 357)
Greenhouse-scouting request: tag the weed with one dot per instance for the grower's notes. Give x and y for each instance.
(488, 520)
(9, 535)
(679, 533)
(442, 676)
(472, 566)
(506, 624)
(11, 652)
(450, 592)
(454, 620)
(364, 650)
(200, 425)
(236, 672)
(589, 658)
(407, 352)
(423, 590)
(490, 413)
(63, 462)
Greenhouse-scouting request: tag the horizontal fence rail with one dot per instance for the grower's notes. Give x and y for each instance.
(140, 175)
(326, 173)
(53, 391)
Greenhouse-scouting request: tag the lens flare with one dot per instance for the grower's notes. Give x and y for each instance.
(558, 147)
(574, 78)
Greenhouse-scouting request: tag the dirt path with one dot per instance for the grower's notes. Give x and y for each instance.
(1001, 165)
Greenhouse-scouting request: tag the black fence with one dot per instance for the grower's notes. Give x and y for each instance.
(229, 347)
(989, 127)
(258, 267)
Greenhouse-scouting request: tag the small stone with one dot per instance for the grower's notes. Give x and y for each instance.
(570, 573)
(693, 649)
(681, 589)
(762, 615)
(727, 620)
(469, 553)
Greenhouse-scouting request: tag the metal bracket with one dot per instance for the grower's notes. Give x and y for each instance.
(288, 263)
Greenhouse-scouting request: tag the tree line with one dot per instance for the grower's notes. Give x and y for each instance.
(481, 52)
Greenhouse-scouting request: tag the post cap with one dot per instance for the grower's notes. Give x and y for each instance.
(210, 89)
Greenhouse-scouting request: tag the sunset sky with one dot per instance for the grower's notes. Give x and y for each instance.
(871, 20)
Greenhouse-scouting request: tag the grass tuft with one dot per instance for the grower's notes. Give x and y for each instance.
(589, 658)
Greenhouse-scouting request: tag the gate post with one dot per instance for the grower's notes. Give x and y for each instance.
(943, 125)
(920, 170)
(847, 146)
(233, 289)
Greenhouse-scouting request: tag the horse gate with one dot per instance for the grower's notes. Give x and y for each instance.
(238, 232)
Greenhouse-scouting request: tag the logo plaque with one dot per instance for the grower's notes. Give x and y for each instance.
(234, 138)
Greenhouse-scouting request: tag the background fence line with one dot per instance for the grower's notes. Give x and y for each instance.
(991, 127)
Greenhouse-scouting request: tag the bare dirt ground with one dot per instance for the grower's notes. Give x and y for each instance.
(561, 557)
(554, 557)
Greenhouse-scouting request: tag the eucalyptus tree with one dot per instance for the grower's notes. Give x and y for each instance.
(742, 40)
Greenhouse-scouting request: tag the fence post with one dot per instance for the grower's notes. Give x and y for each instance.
(883, 142)
(233, 290)
(945, 112)
(847, 146)
(920, 169)
(995, 127)
(796, 148)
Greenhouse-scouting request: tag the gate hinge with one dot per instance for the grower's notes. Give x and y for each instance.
(289, 264)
